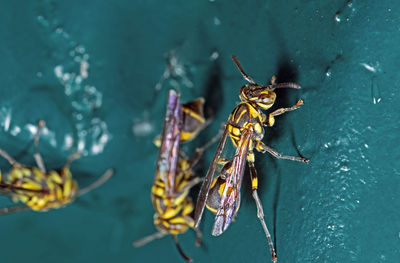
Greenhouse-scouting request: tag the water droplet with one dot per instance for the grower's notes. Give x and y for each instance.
(142, 128)
(84, 66)
(344, 169)
(99, 135)
(58, 30)
(328, 73)
(217, 22)
(345, 12)
(58, 71)
(327, 145)
(31, 128)
(15, 130)
(81, 146)
(5, 118)
(43, 21)
(175, 72)
(80, 49)
(375, 91)
(337, 18)
(68, 141)
(368, 67)
(214, 56)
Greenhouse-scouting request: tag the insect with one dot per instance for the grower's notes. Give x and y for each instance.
(38, 189)
(221, 195)
(174, 175)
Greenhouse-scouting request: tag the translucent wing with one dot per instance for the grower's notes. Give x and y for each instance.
(230, 198)
(205, 187)
(169, 149)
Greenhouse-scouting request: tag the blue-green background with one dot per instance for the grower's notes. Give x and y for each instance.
(342, 207)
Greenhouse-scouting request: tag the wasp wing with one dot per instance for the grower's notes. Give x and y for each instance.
(230, 198)
(169, 150)
(205, 187)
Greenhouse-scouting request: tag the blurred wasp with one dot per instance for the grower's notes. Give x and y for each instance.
(221, 195)
(38, 189)
(174, 175)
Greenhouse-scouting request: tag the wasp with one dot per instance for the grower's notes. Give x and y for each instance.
(174, 175)
(42, 190)
(245, 127)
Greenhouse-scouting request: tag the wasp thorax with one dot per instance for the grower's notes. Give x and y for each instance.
(264, 97)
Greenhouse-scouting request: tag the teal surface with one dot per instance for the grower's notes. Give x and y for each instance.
(90, 69)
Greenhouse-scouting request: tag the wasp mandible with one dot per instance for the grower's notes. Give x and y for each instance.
(174, 176)
(245, 127)
(42, 190)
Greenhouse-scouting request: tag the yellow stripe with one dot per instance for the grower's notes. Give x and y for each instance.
(253, 111)
(193, 114)
(158, 206)
(186, 136)
(211, 209)
(178, 220)
(237, 119)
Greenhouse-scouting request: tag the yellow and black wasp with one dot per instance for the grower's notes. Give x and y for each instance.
(221, 195)
(174, 175)
(38, 189)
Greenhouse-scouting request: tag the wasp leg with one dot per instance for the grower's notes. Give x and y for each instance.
(200, 151)
(273, 80)
(190, 184)
(36, 155)
(13, 209)
(148, 239)
(271, 120)
(199, 234)
(11, 160)
(104, 178)
(180, 249)
(72, 158)
(261, 147)
(260, 212)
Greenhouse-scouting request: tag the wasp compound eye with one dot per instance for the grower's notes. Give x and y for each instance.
(267, 98)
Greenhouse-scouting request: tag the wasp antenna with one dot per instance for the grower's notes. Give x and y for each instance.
(148, 239)
(291, 85)
(180, 249)
(97, 183)
(245, 76)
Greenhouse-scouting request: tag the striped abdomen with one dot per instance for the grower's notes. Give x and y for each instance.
(172, 214)
(40, 191)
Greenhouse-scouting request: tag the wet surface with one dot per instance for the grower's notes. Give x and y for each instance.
(98, 74)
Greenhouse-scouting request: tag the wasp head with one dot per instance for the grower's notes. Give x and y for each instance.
(263, 96)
